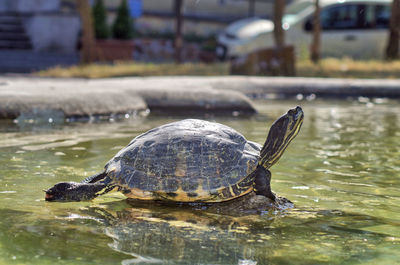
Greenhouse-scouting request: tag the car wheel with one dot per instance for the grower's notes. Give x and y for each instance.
(221, 51)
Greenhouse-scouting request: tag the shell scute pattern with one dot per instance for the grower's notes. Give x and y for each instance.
(185, 156)
(170, 184)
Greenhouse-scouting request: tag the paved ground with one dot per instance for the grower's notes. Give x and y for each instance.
(27, 61)
(81, 97)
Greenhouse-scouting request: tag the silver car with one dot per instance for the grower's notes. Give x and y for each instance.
(352, 28)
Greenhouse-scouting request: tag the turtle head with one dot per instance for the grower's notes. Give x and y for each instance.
(282, 132)
(73, 191)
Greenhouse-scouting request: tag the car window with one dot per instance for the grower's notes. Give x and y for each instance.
(341, 17)
(353, 16)
(382, 16)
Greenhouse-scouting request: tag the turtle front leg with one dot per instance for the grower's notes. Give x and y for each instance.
(262, 183)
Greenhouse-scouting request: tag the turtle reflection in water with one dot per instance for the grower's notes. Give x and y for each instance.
(159, 233)
(191, 161)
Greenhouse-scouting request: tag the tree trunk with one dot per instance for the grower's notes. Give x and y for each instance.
(178, 31)
(279, 35)
(392, 50)
(88, 53)
(316, 41)
(251, 8)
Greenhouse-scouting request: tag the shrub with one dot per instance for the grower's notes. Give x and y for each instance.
(123, 27)
(100, 20)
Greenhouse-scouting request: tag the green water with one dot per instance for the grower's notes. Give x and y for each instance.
(342, 172)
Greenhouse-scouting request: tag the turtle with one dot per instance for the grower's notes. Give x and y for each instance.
(190, 160)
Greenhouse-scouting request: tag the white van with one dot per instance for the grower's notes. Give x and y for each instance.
(353, 28)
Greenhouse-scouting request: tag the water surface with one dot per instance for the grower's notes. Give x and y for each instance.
(342, 173)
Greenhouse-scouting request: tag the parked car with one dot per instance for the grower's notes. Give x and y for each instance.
(353, 28)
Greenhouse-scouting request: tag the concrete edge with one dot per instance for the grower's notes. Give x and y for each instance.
(172, 95)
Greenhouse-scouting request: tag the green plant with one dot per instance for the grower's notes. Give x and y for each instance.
(209, 44)
(123, 26)
(100, 20)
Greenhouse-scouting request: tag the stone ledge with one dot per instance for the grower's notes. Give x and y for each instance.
(79, 97)
(176, 95)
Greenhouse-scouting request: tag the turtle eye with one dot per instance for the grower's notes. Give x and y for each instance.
(291, 112)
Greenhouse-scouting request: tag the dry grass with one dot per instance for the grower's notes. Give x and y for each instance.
(343, 68)
(348, 68)
(136, 69)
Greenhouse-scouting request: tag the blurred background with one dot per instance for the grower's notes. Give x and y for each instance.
(216, 36)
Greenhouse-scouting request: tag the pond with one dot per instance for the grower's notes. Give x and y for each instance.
(341, 172)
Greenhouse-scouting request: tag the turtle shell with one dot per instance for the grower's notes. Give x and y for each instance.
(188, 160)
